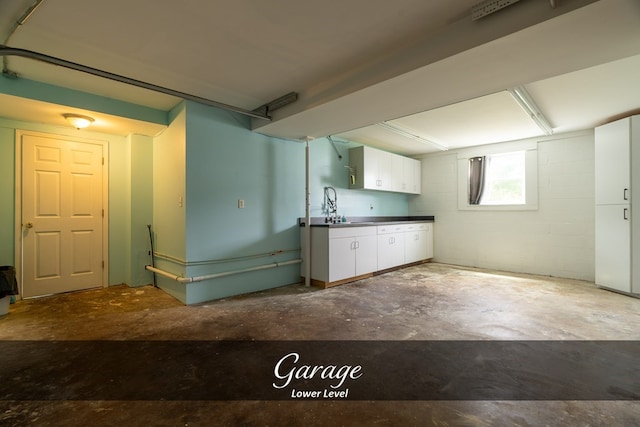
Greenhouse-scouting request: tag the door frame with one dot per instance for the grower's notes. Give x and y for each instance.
(18, 254)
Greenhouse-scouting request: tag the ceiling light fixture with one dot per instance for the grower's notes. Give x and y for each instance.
(78, 121)
(523, 98)
(400, 131)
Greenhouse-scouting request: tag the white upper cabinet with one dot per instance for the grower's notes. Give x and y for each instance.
(373, 169)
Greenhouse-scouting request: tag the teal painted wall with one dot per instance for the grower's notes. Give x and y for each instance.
(328, 170)
(119, 211)
(141, 171)
(74, 98)
(7, 193)
(226, 162)
(186, 183)
(169, 214)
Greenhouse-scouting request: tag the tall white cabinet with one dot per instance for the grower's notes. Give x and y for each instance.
(617, 184)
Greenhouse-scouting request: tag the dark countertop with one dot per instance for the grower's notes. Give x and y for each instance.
(364, 221)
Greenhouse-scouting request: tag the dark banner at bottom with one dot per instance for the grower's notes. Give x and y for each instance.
(319, 370)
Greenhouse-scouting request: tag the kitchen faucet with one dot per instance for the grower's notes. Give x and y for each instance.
(331, 203)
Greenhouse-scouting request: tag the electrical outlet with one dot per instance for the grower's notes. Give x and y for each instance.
(240, 203)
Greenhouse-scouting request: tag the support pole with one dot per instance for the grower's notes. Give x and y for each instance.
(307, 220)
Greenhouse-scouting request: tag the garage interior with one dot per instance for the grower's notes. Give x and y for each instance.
(227, 98)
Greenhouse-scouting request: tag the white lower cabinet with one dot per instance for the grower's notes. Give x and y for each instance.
(351, 256)
(418, 242)
(390, 246)
(343, 254)
(400, 244)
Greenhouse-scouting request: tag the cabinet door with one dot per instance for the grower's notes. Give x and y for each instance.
(429, 240)
(385, 171)
(397, 180)
(417, 177)
(370, 162)
(410, 176)
(613, 247)
(415, 246)
(612, 162)
(390, 250)
(342, 258)
(366, 254)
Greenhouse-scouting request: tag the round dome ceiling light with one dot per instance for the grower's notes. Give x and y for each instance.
(78, 121)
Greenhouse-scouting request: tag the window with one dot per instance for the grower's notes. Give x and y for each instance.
(498, 178)
(504, 179)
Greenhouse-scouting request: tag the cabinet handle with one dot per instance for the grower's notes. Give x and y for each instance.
(625, 194)
(624, 214)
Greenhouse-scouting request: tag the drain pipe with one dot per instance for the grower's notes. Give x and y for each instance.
(194, 279)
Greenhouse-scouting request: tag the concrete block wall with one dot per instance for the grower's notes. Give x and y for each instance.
(557, 239)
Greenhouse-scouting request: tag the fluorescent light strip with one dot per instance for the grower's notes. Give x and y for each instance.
(522, 97)
(405, 133)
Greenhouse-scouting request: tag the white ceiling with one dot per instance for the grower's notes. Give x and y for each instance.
(425, 66)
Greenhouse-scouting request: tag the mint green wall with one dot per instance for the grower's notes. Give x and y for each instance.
(227, 162)
(141, 201)
(208, 158)
(119, 211)
(169, 215)
(63, 96)
(7, 193)
(328, 170)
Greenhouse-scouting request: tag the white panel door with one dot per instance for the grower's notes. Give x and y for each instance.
(613, 247)
(61, 215)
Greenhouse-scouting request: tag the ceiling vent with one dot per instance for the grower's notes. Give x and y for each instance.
(488, 7)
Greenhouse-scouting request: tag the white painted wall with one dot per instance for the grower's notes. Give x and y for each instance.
(557, 239)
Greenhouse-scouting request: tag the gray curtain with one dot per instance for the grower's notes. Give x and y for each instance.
(476, 179)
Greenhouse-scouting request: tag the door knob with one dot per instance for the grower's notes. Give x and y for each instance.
(29, 225)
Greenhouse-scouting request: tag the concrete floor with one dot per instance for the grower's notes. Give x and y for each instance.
(427, 302)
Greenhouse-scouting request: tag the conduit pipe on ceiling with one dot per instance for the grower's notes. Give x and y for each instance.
(11, 51)
(20, 22)
(193, 279)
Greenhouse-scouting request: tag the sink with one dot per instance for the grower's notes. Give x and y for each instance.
(354, 223)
